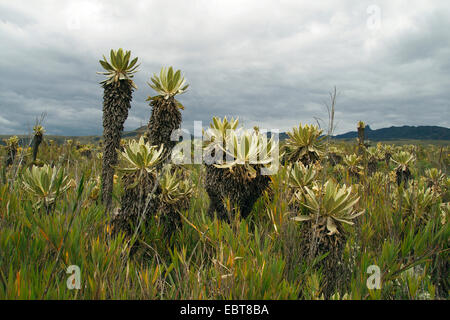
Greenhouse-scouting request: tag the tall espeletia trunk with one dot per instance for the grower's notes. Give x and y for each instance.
(118, 89)
(116, 102)
(165, 118)
(166, 115)
(37, 140)
(361, 136)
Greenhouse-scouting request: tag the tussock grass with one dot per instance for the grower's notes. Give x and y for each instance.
(254, 258)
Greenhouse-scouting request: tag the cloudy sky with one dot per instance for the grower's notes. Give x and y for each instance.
(272, 63)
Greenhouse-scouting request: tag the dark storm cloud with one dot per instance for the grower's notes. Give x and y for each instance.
(270, 63)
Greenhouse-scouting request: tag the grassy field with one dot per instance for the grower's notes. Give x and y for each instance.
(403, 231)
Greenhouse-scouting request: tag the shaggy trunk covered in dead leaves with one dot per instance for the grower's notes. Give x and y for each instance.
(11, 152)
(403, 176)
(234, 185)
(116, 103)
(165, 118)
(316, 242)
(135, 202)
(38, 137)
(141, 201)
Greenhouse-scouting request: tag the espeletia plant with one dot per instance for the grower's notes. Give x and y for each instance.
(329, 208)
(118, 88)
(45, 184)
(37, 139)
(305, 144)
(403, 161)
(239, 174)
(12, 144)
(166, 115)
(141, 191)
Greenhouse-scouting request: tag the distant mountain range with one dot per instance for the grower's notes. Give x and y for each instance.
(400, 133)
(392, 133)
(384, 134)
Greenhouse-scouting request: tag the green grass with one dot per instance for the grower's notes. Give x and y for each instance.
(253, 258)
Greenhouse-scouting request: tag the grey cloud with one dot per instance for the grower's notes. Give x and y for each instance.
(270, 63)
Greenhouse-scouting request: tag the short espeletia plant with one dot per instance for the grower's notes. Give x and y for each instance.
(45, 184)
(305, 144)
(12, 144)
(329, 207)
(241, 178)
(403, 161)
(140, 198)
(174, 199)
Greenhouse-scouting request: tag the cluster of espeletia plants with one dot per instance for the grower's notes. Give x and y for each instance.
(317, 185)
(239, 168)
(234, 182)
(150, 187)
(235, 179)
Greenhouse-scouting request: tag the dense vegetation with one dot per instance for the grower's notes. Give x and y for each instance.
(169, 229)
(403, 230)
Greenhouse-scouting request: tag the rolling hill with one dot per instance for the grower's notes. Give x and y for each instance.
(401, 133)
(384, 134)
